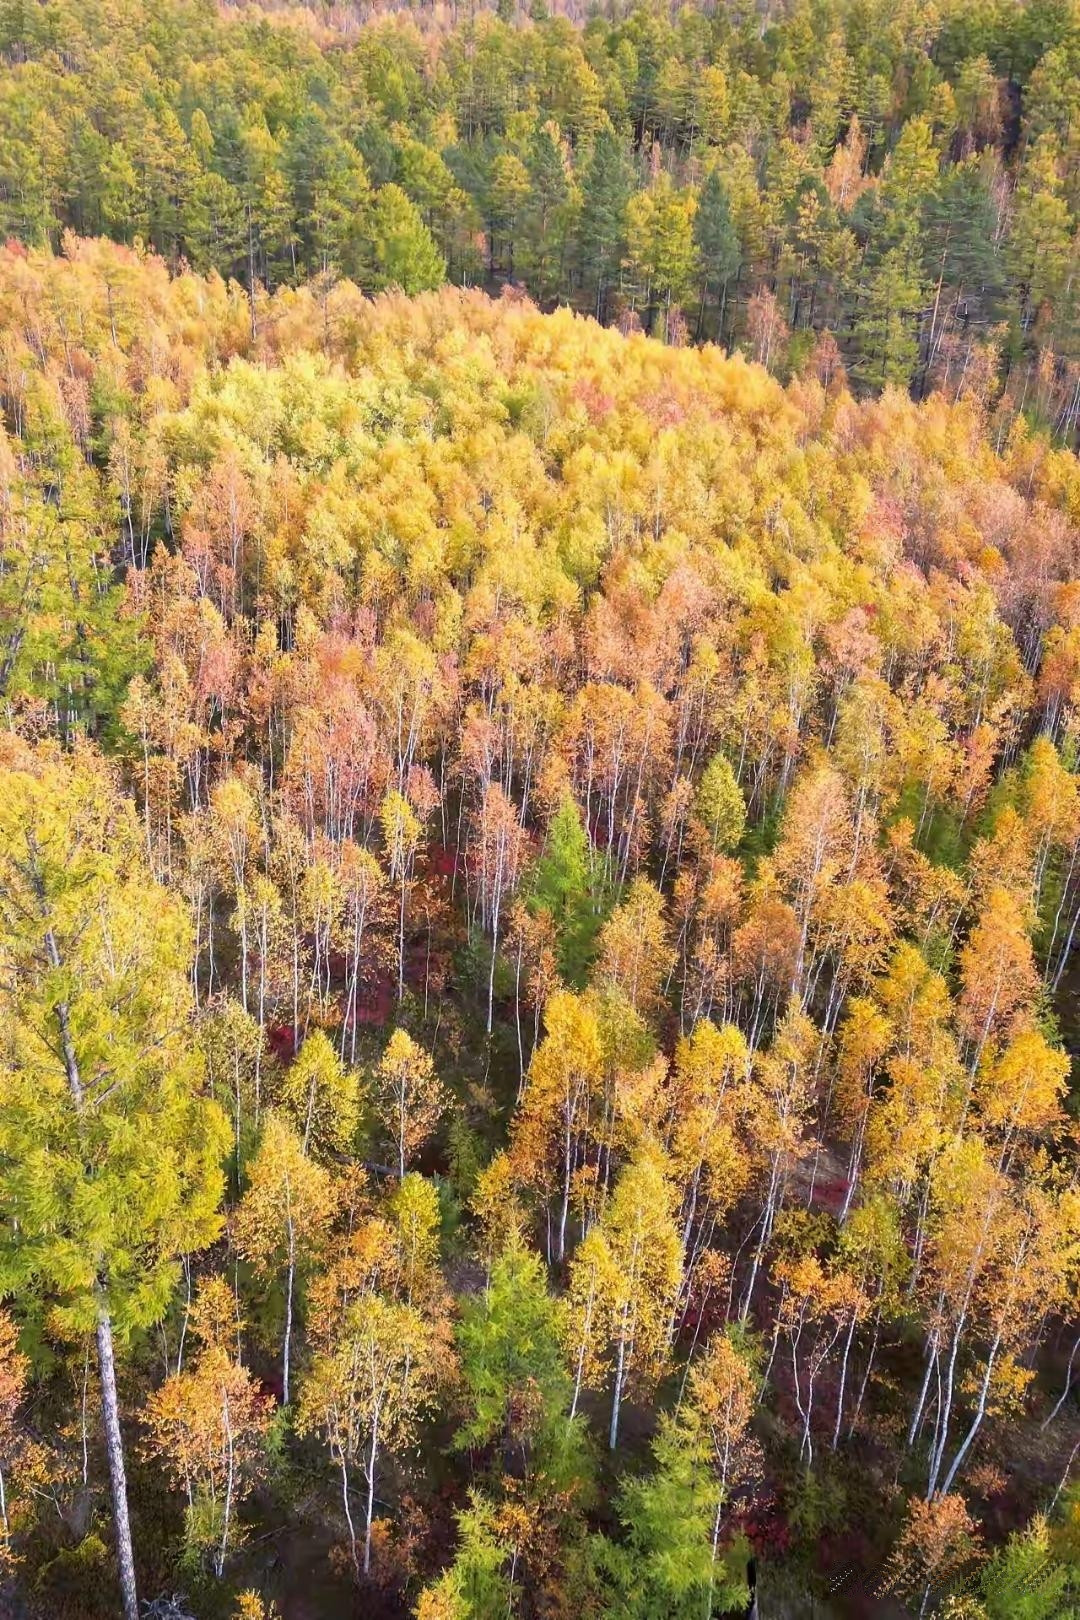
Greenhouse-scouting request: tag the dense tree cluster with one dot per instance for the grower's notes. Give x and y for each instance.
(539, 885)
(903, 178)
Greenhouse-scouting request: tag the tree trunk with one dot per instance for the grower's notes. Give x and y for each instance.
(114, 1446)
(226, 1519)
(766, 1233)
(401, 944)
(370, 1492)
(843, 1382)
(491, 973)
(288, 1321)
(114, 1440)
(1063, 1397)
(348, 1513)
(976, 1422)
(581, 1356)
(620, 1370)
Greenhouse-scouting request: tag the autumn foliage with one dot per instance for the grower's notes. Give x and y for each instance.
(539, 917)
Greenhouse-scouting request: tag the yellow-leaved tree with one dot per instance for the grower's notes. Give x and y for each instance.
(207, 1423)
(624, 1282)
(283, 1218)
(408, 1095)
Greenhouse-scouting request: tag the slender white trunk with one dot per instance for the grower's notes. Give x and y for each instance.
(843, 1382)
(288, 1318)
(1063, 1397)
(114, 1448)
(581, 1355)
(114, 1441)
(371, 1491)
(616, 1402)
(226, 1518)
(976, 1422)
(348, 1513)
(491, 971)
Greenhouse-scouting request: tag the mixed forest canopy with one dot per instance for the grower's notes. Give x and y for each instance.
(893, 187)
(539, 834)
(539, 895)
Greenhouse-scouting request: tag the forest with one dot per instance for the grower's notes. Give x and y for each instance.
(539, 813)
(901, 174)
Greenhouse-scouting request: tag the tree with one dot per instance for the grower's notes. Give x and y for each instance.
(544, 219)
(887, 323)
(404, 251)
(675, 1562)
(938, 1543)
(415, 1219)
(548, 1143)
(367, 1395)
(1039, 240)
(635, 953)
(110, 1155)
(235, 827)
(606, 185)
(401, 832)
(22, 1460)
(719, 804)
(497, 854)
(512, 1363)
(717, 243)
(567, 883)
(721, 1400)
(815, 1309)
(476, 1586)
(232, 1044)
(508, 191)
(496, 1209)
(710, 1097)
(408, 1096)
(660, 242)
(784, 1098)
(623, 1296)
(208, 1424)
(1025, 1581)
(998, 971)
(1021, 1095)
(283, 1218)
(363, 886)
(766, 328)
(321, 1098)
(564, 884)
(250, 1606)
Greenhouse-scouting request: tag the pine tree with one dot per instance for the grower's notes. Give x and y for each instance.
(718, 246)
(660, 241)
(403, 249)
(606, 186)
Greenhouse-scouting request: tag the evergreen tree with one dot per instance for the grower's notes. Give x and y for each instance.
(545, 217)
(512, 1362)
(404, 252)
(717, 242)
(661, 246)
(887, 325)
(110, 1156)
(606, 186)
(570, 883)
